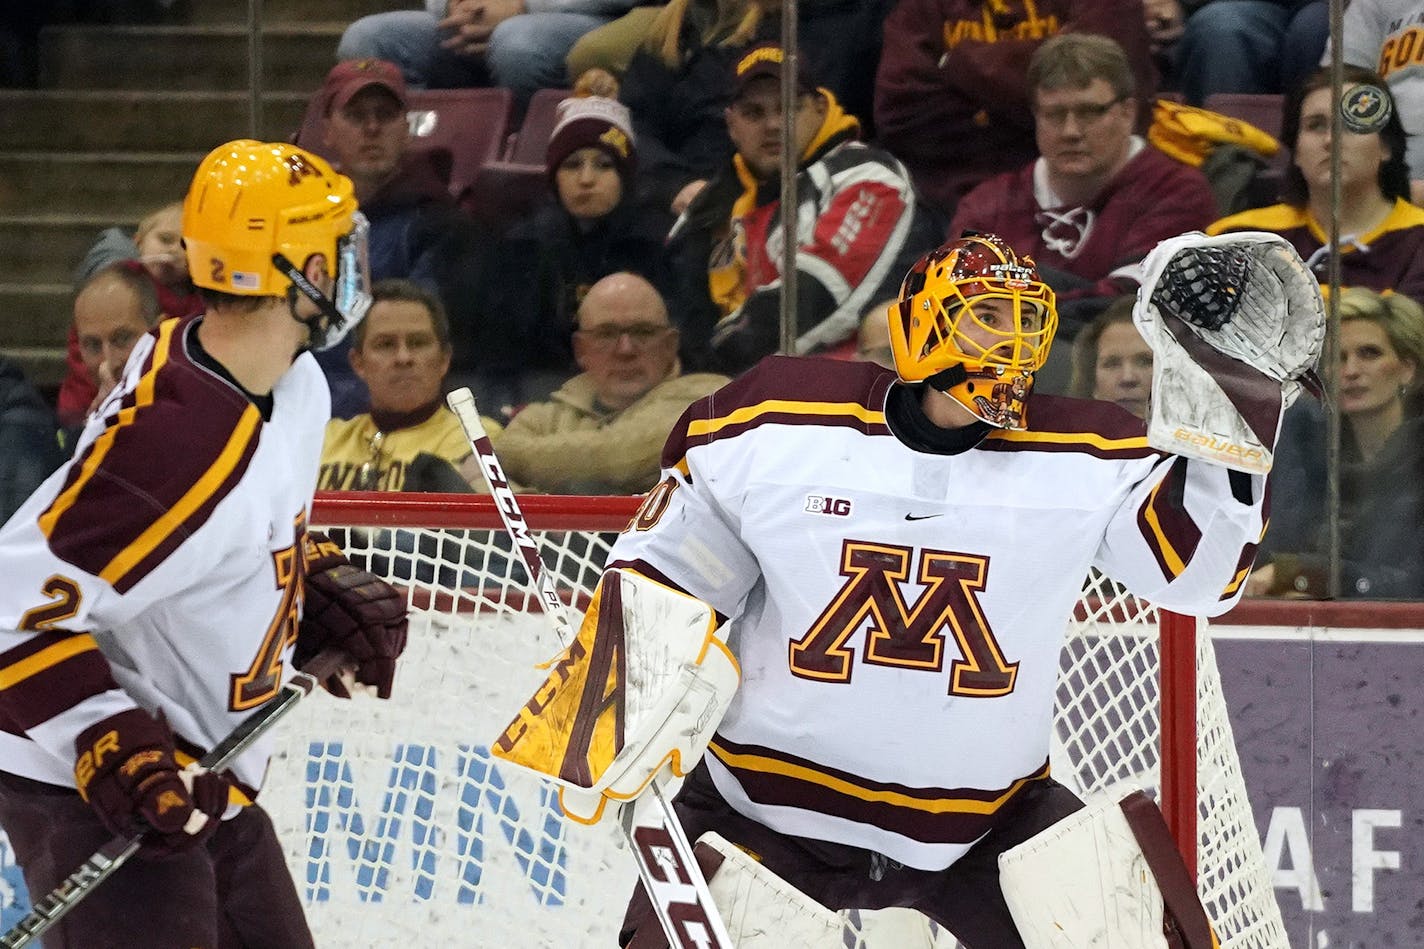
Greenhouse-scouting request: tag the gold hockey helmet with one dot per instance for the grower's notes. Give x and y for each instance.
(984, 356)
(256, 214)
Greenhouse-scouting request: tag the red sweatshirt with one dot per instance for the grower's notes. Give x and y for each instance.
(1152, 198)
(950, 97)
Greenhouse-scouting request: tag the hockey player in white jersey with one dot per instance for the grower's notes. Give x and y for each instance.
(896, 555)
(154, 585)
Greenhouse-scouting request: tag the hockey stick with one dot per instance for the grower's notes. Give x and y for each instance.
(105, 861)
(675, 885)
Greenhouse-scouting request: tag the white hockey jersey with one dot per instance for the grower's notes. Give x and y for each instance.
(161, 566)
(898, 614)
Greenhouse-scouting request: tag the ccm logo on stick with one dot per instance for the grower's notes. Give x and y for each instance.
(817, 504)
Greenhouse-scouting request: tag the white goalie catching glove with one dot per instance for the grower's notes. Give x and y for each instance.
(1236, 324)
(637, 695)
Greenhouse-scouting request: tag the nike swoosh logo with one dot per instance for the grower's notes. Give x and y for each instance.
(921, 517)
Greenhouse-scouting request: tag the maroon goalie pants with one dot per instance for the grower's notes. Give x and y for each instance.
(233, 893)
(965, 898)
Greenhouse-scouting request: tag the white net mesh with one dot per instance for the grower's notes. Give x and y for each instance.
(401, 827)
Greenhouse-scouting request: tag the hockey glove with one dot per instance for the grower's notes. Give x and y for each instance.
(125, 769)
(1236, 325)
(353, 610)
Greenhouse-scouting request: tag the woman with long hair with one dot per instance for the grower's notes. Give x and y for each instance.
(1381, 369)
(1381, 233)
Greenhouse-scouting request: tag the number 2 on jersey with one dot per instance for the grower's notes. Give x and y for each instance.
(908, 637)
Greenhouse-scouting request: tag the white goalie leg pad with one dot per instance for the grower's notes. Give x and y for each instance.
(639, 692)
(1084, 882)
(763, 911)
(1233, 322)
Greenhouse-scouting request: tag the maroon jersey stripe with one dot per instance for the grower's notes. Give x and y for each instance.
(1081, 426)
(1169, 530)
(929, 815)
(786, 390)
(101, 522)
(50, 673)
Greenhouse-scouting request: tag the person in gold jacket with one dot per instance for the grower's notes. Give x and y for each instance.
(603, 431)
(409, 440)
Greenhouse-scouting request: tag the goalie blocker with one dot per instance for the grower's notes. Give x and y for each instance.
(639, 690)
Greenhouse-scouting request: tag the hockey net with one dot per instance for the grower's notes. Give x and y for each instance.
(400, 826)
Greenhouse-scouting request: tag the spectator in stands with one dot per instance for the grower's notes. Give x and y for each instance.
(401, 351)
(1382, 464)
(603, 432)
(111, 311)
(951, 99)
(866, 226)
(1111, 360)
(591, 226)
(29, 450)
(1388, 36)
(678, 84)
(401, 191)
(872, 343)
(1381, 233)
(454, 44)
(1251, 46)
(157, 245)
(1099, 198)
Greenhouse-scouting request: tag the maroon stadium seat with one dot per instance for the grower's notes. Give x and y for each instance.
(533, 138)
(470, 125)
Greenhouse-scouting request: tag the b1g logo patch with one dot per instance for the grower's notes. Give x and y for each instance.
(822, 504)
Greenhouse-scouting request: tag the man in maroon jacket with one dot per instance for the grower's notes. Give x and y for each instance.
(1100, 197)
(950, 97)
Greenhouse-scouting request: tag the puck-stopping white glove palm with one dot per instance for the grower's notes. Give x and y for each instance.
(1236, 325)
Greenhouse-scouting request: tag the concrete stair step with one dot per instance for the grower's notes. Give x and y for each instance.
(120, 184)
(36, 314)
(79, 120)
(42, 365)
(295, 11)
(295, 57)
(45, 249)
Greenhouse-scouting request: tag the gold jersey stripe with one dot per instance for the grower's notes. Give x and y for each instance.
(748, 413)
(1170, 557)
(195, 497)
(1131, 443)
(748, 762)
(46, 658)
(143, 397)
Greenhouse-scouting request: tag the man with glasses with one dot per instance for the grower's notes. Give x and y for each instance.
(603, 431)
(401, 351)
(861, 223)
(1098, 198)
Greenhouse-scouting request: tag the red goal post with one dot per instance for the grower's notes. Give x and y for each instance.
(392, 812)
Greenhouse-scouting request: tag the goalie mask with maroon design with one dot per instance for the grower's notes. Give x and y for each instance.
(943, 330)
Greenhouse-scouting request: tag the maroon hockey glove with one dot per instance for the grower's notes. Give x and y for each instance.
(353, 610)
(126, 770)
